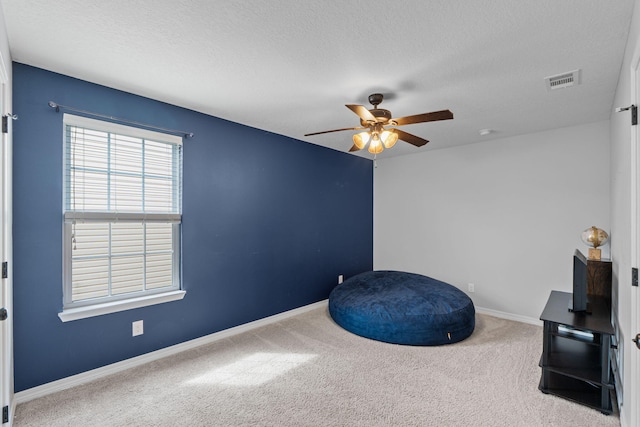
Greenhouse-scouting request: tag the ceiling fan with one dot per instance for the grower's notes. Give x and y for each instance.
(379, 134)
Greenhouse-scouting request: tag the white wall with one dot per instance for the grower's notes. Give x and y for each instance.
(505, 214)
(4, 45)
(621, 228)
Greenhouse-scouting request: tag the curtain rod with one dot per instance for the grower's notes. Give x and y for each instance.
(59, 107)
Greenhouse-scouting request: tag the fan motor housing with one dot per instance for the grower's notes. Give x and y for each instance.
(381, 115)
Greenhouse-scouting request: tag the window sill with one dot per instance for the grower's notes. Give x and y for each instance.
(78, 313)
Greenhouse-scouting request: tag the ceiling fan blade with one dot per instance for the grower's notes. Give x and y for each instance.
(362, 112)
(411, 139)
(353, 148)
(334, 130)
(426, 117)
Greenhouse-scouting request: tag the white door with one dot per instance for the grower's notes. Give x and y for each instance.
(635, 370)
(633, 395)
(634, 353)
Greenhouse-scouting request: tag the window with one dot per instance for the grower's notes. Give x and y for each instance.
(122, 215)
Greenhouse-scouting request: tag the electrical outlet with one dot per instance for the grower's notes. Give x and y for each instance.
(340, 279)
(472, 287)
(137, 328)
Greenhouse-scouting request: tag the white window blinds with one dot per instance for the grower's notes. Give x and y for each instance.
(122, 211)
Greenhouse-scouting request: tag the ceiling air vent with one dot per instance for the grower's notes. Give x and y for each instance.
(563, 80)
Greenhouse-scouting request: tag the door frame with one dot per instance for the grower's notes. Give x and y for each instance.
(632, 391)
(6, 285)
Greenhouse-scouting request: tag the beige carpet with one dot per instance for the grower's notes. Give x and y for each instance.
(307, 371)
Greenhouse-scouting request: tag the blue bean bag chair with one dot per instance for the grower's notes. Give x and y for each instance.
(402, 308)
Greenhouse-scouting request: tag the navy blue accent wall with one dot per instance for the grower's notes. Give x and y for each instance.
(269, 222)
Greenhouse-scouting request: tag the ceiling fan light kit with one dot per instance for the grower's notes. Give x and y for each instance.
(389, 138)
(360, 140)
(375, 146)
(377, 136)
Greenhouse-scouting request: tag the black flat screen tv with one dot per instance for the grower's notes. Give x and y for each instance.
(579, 302)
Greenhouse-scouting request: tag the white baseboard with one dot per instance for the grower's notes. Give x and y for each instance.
(94, 374)
(509, 316)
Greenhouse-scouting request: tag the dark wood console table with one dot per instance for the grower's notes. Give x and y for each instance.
(575, 358)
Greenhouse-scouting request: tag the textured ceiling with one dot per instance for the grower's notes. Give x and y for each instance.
(290, 66)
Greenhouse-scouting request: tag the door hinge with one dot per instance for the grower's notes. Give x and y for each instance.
(5, 270)
(5, 121)
(5, 415)
(634, 276)
(634, 113)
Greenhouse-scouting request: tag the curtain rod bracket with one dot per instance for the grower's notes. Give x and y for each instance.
(54, 105)
(58, 107)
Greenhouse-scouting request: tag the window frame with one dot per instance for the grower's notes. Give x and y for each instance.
(74, 310)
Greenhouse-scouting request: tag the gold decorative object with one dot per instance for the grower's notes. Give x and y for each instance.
(594, 237)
